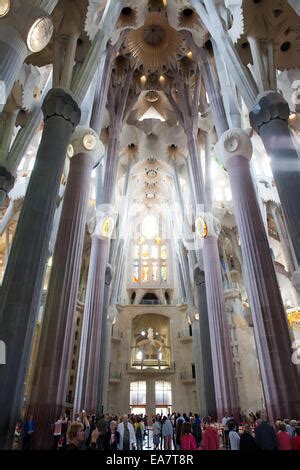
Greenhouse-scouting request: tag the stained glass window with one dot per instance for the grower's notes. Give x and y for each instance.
(150, 261)
(135, 277)
(145, 252)
(145, 272)
(154, 252)
(154, 272)
(164, 273)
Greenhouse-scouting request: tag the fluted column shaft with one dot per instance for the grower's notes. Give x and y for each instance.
(280, 378)
(224, 378)
(222, 362)
(94, 305)
(20, 293)
(55, 349)
(201, 337)
(105, 340)
(88, 372)
(269, 118)
(13, 51)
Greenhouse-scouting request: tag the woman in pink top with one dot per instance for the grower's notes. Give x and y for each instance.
(210, 437)
(188, 442)
(284, 438)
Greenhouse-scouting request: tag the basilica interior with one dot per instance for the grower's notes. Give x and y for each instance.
(149, 217)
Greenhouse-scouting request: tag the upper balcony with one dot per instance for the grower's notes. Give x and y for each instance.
(151, 370)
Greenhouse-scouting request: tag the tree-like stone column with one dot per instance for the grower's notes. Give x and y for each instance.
(222, 361)
(279, 375)
(269, 118)
(22, 283)
(55, 348)
(120, 102)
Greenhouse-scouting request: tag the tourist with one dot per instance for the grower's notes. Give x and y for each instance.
(247, 441)
(167, 433)
(145, 421)
(139, 431)
(284, 438)
(234, 438)
(179, 418)
(265, 435)
(57, 432)
(102, 425)
(75, 436)
(225, 431)
(112, 437)
(62, 443)
(156, 430)
(127, 435)
(296, 439)
(178, 434)
(210, 437)
(289, 428)
(196, 429)
(27, 431)
(293, 424)
(188, 442)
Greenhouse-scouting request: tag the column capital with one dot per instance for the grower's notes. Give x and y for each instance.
(6, 180)
(234, 142)
(269, 105)
(85, 140)
(207, 225)
(60, 103)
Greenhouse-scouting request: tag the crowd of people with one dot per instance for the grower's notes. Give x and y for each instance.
(174, 431)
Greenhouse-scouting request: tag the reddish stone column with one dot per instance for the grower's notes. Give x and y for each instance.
(55, 348)
(280, 378)
(88, 374)
(221, 353)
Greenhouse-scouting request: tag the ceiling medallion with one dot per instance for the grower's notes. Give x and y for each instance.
(155, 44)
(152, 96)
(151, 185)
(151, 173)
